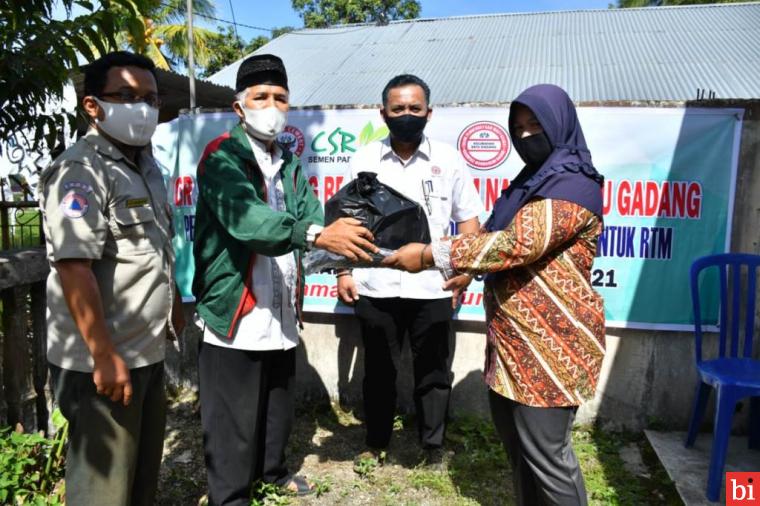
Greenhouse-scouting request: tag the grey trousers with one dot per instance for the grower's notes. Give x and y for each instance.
(545, 470)
(114, 450)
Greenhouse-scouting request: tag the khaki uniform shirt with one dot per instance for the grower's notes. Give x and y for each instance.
(98, 205)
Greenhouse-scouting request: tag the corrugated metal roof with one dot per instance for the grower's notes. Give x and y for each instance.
(658, 53)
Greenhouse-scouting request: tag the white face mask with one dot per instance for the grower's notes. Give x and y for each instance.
(131, 124)
(264, 124)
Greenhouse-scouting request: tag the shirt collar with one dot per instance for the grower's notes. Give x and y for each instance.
(269, 164)
(104, 147)
(260, 149)
(423, 149)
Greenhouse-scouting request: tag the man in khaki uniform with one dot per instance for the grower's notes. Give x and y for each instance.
(110, 291)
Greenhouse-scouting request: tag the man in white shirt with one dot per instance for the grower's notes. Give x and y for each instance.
(256, 215)
(391, 303)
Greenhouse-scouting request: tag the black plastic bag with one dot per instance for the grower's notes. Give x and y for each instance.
(393, 219)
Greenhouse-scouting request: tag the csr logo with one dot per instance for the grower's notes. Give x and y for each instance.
(742, 489)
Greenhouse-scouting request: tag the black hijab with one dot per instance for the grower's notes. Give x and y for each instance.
(567, 174)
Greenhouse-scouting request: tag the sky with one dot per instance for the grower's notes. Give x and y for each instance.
(280, 12)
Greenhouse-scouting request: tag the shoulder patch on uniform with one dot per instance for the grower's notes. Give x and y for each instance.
(74, 204)
(137, 202)
(77, 185)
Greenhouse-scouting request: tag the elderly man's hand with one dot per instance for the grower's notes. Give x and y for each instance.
(347, 237)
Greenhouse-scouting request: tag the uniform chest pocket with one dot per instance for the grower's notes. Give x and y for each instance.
(440, 205)
(131, 228)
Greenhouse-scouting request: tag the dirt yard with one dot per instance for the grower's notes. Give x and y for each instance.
(326, 439)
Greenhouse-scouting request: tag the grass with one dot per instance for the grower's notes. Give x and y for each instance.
(435, 481)
(326, 439)
(479, 468)
(365, 467)
(608, 481)
(322, 485)
(270, 495)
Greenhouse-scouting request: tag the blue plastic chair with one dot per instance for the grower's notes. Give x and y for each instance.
(734, 373)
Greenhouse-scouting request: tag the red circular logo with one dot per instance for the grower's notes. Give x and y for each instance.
(292, 139)
(484, 145)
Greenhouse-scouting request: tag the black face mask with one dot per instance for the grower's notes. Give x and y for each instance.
(406, 128)
(534, 149)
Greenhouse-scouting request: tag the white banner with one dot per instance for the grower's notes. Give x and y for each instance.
(668, 194)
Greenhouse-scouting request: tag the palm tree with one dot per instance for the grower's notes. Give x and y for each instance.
(164, 32)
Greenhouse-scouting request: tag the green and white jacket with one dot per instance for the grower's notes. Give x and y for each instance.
(234, 223)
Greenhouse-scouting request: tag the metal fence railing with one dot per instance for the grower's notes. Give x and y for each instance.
(20, 224)
(20, 220)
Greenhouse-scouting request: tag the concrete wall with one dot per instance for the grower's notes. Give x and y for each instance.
(648, 377)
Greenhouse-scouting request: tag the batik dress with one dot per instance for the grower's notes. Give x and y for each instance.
(545, 322)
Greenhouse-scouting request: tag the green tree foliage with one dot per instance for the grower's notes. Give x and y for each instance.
(658, 3)
(164, 35)
(37, 53)
(322, 13)
(255, 43)
(276, 32)
(227, 48)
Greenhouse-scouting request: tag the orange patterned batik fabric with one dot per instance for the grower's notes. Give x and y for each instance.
(545, 339)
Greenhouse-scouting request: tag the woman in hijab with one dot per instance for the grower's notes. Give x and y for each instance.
(545, 322)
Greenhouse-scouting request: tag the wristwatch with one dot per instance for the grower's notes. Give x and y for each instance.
(311, 234)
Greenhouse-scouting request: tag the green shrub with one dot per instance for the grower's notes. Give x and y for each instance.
(32, 466)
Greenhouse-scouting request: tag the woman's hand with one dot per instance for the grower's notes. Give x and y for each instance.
(457, 285)
(414, 257)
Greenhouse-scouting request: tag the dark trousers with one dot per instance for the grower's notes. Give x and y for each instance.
(114, 450)
(247, 414)
(545, 470)
(384, 322)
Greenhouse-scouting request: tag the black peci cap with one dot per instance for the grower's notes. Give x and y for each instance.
(261, 69)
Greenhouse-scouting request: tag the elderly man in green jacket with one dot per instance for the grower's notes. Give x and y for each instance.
(256, 215)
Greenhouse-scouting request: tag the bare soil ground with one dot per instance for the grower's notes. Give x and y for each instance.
(326, 439)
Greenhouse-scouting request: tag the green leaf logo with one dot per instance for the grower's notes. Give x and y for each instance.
(366, 133)
(369, 134)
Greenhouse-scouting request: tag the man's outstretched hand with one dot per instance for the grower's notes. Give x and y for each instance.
(347, 237)
(412, 257)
